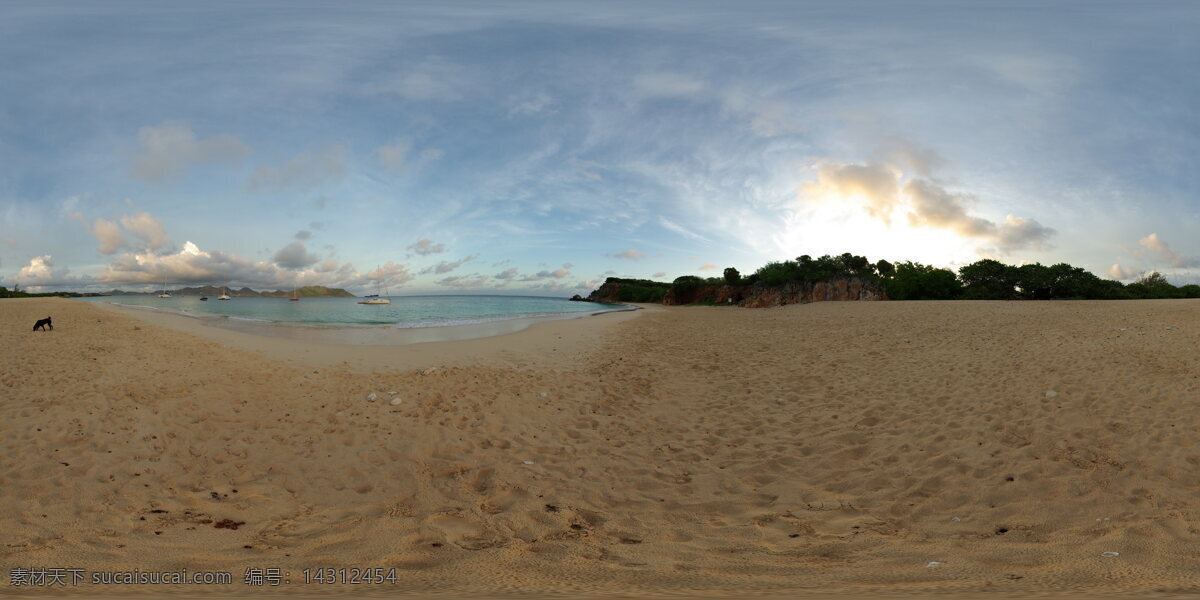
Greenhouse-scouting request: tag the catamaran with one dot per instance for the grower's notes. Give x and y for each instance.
(164, 293)
(224, 295)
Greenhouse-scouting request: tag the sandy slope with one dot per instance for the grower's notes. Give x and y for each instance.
(829, 447)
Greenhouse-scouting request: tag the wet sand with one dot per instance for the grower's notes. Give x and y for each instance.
(963, 449)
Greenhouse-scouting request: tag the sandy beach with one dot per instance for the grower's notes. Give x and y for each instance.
(960, 448)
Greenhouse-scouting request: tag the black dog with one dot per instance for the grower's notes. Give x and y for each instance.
(43, 323)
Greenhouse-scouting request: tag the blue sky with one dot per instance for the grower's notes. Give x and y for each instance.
(539, 147)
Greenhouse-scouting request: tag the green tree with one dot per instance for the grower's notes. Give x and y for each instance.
(777, 273)
(884, 268)
(1157, 286)
(854, 266)
(1035, 282)
(989, 279)
(915, 281)
(732, 276)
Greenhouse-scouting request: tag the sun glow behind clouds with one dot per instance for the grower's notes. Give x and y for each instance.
(843, 224)
(882, 210)
(863, 209)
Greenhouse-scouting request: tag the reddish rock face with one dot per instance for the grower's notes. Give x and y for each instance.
(761, 296)
(605, 293)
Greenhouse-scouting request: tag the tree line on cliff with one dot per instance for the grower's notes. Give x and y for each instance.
(985, 279)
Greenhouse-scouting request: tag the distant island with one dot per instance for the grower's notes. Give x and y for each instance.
(851, 277)
(308, 291)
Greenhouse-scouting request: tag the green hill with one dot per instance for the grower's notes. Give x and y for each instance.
(309, 291)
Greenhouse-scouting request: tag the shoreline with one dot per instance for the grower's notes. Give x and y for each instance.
(367, 334)
(560, 340)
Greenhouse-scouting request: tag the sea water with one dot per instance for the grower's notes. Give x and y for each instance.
(403, 312)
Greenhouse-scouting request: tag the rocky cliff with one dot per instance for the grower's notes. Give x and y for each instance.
(761, 296)
(607, 292)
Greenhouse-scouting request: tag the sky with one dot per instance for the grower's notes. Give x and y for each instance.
(538, 147)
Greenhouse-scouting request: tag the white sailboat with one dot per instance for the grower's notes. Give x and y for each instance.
(224, 295)
(164, 293)
(376, 298)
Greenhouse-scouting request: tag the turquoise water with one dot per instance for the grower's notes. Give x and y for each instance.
(403, 312)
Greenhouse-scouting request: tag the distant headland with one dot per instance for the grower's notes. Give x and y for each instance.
(308, 291)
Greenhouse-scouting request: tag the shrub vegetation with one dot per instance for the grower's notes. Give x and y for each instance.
(985, 279)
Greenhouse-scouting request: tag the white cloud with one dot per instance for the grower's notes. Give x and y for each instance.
(671, 225)
(40, 274)
(707, 267)
(910, 157)
(425, 247)
(475, 280)
(109, 235)
(548, 274)
(295, 256)
(1016, 233)
(630, 254)
(446, 267)
(876, 186)
(303, 234)
(1156, 245)
(166, 152)
(391, 275)
(147, 229)
(933, 206)
(507, 274)
(659, 274)
(883, 189)
(194, 266)
(1122, 273)
(304, 171)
